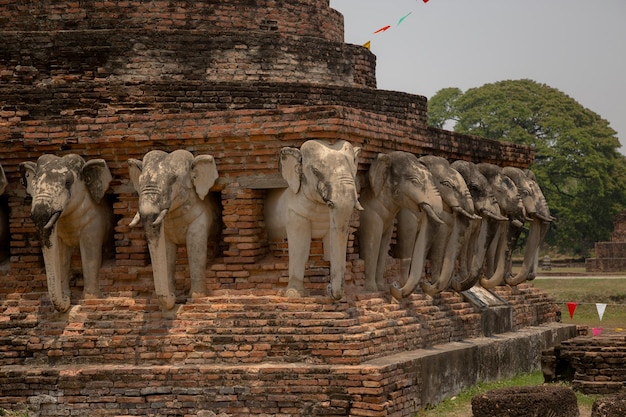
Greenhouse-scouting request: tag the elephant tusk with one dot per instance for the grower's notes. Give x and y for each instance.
(358, 206)
(541, 217)
(431, 213)
(159, 219)
(461, 210)
(493, 215)
(517, 223)
(53, 220)
(135, 220)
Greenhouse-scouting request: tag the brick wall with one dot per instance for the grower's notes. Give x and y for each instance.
(245, 144)
(48, 59)
(288, 17)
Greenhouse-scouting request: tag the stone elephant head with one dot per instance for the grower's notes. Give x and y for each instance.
(318, 203)
(539, 213)
(174, 210)
(68, 212)
(482, 232)
(397, 180)
(441, 243)
(510, 202)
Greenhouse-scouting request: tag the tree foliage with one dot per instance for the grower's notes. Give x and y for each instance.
(577, 163)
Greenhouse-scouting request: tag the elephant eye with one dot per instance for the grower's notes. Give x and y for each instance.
(69, 181)
(446, 183)
(525, 193)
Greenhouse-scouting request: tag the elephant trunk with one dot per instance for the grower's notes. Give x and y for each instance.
(472, 255)
(537, 232)
(338, 241)
(163, 263)
(497, 258)
(447, 257)
(57, 257)
(417, 261)
(162, 252)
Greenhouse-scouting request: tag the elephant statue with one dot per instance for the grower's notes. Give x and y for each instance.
(396, 180)
(539, 213)
(4, 219)
(498, 260)
(439, 243)
(68, 212)
(174, 210)
(481, 232)
(318, 203)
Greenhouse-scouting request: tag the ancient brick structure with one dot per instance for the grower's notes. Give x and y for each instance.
(610, 256)
(594, 365)
(238, 80)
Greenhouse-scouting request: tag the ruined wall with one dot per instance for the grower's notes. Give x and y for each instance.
(610, 256)
(285, 17)
(594, 365)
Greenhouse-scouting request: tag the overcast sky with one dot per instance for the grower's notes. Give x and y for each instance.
(576, 46)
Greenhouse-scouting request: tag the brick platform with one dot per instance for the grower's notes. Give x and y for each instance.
(255, 355)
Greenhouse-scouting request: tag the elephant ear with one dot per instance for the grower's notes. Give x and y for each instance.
(27, 172)
(3, 181)
(290, 167)
(97, 178)
(135, 166)
(354, 151)
(203, 173)
(378, 173)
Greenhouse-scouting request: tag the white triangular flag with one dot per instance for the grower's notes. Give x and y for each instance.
(601, 307)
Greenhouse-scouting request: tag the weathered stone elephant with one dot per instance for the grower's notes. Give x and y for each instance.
(68, 212)
(539, 213)
(511, 206)
(4, 219)
(174, 210)
(318, 203)
(396, 180)
(440, 243)
(482, 232)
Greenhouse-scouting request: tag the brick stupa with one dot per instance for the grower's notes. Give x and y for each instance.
(237, 79)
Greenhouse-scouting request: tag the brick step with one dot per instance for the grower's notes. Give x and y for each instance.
(222, 329)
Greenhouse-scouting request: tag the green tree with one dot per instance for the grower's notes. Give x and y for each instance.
(577, 163)
(441, 107)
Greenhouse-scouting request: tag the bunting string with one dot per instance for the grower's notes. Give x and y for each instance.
(601, 308)
(385, 28)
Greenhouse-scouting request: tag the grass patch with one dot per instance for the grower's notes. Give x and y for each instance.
(8, 413)
(586, 292)
(461, 405)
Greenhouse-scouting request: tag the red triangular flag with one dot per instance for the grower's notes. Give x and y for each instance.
(571, 307)
(425, 1)
(384, 28)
